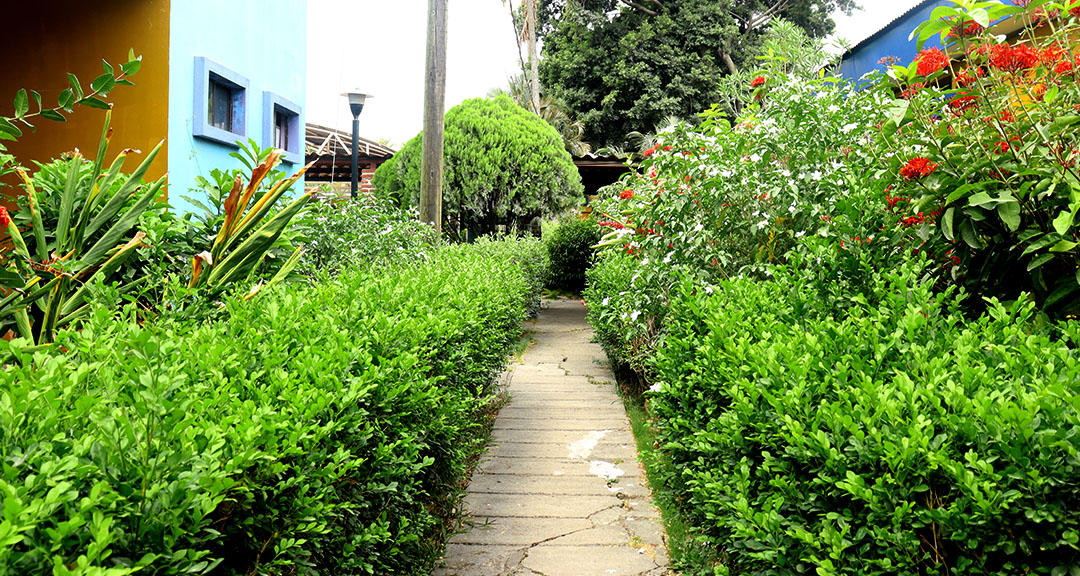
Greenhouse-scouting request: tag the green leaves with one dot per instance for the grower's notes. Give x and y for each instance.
(306, 440)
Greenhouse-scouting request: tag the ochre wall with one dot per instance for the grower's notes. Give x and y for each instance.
(46, 40)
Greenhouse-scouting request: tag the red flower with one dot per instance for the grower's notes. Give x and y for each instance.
(757, 81)
(1038, 91)
(5, 218)
(626, 194)
(917, 168)
(1064, 67)
(930, 61)
(649, 152)
(1013, 58)
(912, 90)
(963, 102)
(969, 76)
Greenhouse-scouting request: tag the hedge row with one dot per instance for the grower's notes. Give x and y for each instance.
(895, 439)
(315, 430)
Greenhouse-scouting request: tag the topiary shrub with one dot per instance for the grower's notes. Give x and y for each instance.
(504, 166)
(570, 248)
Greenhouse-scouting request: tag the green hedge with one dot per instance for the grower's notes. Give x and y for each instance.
(897, 439)
(570, 247)
(315, 430)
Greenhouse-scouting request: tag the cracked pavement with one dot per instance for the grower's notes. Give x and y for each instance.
(560, 491)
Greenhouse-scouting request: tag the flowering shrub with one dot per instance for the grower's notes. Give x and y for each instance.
(720, 200)
(989, 151)
(366, 232)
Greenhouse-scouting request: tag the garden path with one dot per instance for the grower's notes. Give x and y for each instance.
(560, 491)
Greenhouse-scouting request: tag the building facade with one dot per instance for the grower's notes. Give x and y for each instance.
(213, 73)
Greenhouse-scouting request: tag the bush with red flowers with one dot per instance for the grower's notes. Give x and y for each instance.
(993, 153)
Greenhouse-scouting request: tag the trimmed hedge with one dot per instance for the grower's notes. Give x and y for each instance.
(570, 247)
(315, 430)
(897, 439)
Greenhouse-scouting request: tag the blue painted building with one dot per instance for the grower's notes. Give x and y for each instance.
(892, 40)
(237, 71)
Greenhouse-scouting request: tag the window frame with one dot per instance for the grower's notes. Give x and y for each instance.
(274, 103)
(207, 70)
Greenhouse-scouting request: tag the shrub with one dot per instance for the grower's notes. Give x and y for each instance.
(897, 439)
(504, 166)
(369, 231)
(986, 166)
(316, 430)
(570, 247)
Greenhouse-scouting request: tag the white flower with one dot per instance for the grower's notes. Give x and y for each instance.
(644, 262)
(849, 127)
(708, 290)
(604, 302)
(655, 387)
(699, 227)
(800, 233)
(634, 315)
(754, 157)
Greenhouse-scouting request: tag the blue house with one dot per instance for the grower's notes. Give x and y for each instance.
(892, 40)
(213, 73)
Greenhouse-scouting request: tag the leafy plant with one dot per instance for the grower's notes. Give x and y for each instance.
(368, 231)
(248, 229)
(46, 276)
(570, 247)
(319, 429)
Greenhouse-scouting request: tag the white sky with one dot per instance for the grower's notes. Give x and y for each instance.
(378, 47)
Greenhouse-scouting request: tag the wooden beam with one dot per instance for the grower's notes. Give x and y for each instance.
(431, 162)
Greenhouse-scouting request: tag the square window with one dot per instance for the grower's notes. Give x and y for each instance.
(282, 128)
(220, 103)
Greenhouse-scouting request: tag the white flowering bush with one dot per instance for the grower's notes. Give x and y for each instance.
(722, 200)
(366, 231)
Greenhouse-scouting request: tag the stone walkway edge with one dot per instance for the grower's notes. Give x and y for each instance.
(560, 491)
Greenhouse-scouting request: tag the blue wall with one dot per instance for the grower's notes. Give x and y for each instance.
(262, 40)
(890, 41)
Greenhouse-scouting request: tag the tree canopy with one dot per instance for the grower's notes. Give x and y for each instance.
(503, 166)
(624, 65)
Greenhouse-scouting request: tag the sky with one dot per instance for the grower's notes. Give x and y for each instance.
(378, 47)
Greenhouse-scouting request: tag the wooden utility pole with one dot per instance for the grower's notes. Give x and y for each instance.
(534, 60)
(431, 162)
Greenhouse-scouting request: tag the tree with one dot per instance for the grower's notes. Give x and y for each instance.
(624, 65)
(504, 166)
(551, 110)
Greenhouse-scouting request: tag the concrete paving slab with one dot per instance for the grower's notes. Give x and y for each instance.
(588, 561)
(611, 452)
(518, 531)
(554, 467)
(560, 424)
(539, 505)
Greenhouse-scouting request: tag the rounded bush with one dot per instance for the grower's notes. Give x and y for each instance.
(504, 166)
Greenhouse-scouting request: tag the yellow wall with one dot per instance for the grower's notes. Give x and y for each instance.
(45, 40)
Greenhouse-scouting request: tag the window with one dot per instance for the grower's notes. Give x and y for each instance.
(282, 128)
(220, 103)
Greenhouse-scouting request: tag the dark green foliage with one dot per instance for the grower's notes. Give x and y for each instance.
(315, 430)
(570, 248)
(503, 167)
(897, 439)
(631, 72)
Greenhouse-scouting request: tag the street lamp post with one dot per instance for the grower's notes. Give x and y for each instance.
(356, 105)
